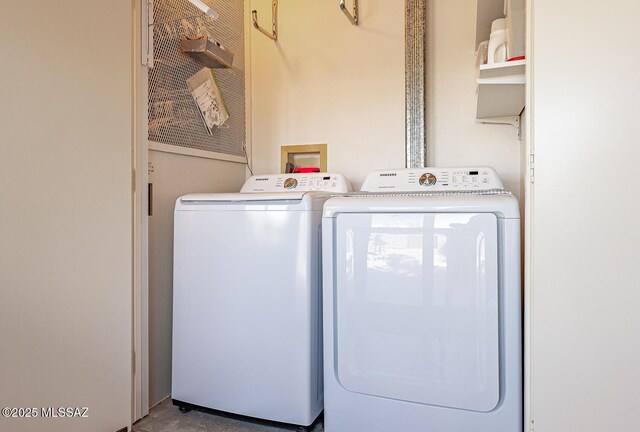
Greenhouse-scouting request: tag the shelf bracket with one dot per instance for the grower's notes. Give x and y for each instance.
(274, 19)
(353, 18)
(510, 120)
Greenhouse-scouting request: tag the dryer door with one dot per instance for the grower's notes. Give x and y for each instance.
(417, 307)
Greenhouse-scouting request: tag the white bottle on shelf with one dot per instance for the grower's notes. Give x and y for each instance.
(497, 50)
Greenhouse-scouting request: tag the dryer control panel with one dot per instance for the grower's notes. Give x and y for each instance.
(432, 179)
(323, 182)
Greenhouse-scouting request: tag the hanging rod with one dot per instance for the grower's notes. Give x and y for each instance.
(274, 18)
(353, 18)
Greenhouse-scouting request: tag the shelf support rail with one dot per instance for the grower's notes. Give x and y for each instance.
(353, 18)
(274, 18)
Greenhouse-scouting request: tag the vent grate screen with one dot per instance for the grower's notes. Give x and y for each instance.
(423, 194)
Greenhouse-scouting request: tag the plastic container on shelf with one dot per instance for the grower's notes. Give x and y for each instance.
(482, 55)
(497, 50)
(515, 13)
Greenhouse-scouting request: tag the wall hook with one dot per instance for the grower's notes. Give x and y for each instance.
(274, 17)
(353, 18)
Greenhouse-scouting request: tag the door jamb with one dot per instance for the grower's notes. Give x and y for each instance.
(528, 177)
(140, 349)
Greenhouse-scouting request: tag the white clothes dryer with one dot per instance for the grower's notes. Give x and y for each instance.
(422, 314)
(247, 333)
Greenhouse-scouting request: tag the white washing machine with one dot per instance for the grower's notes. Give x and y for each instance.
(422, 315)
(247, 320)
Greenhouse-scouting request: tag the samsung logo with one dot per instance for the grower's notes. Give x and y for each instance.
(262, 179)
(388, 175)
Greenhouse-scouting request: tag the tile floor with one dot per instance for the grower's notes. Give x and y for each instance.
(165, 417)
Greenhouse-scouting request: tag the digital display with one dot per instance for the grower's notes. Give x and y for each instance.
(326, 178)
(473, 172)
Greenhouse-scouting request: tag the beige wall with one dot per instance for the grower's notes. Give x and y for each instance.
(453, 136)
(327, 81)
(585, 272)
(174, 175)
(66, 200)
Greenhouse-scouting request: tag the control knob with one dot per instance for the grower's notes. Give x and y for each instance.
(428, 179)
(290, 183)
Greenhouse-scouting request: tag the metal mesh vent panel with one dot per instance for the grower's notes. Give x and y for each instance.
(423, 194)
(174, 117)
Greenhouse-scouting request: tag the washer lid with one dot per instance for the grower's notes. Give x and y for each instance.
(272, 201)
(242, 197)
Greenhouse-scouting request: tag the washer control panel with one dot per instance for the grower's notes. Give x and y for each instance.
(324, 182)
(432, 179)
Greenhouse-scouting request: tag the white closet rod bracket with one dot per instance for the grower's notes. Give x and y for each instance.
(274, 18)
(353, 18)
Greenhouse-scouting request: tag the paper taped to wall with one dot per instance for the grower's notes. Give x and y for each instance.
(206, 93)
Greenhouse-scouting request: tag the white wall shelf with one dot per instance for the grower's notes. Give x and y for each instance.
(501, 86)
(501, 92)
